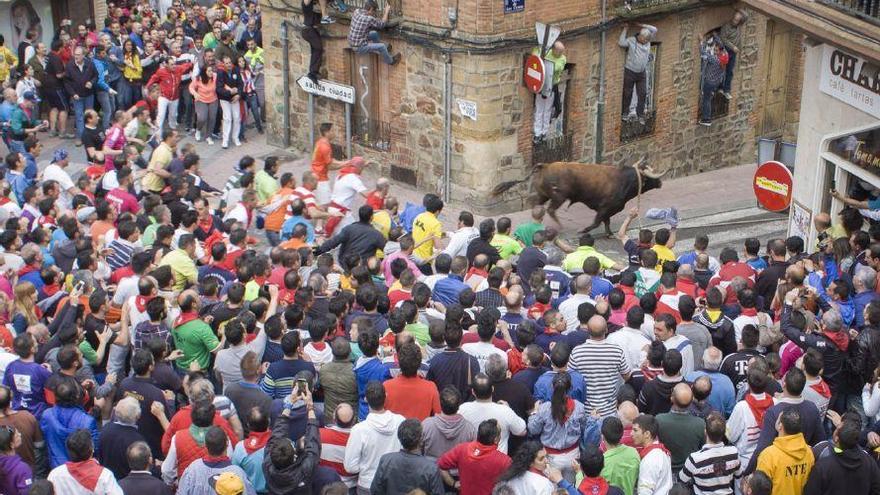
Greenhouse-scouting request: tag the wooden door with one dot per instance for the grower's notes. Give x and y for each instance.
(778, 61)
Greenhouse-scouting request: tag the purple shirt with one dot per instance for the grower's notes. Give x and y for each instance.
(386, 267)
(27, 381)
(17, 476)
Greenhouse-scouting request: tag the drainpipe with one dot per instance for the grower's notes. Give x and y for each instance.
(600, 105)
(447, 124)
(285, 81)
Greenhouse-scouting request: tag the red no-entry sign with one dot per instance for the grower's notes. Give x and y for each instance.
(772, 185)
(533, 73)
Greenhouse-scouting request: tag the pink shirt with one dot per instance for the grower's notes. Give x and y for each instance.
(386, 267)
(789, 353)
(115, 140)
(123, 201)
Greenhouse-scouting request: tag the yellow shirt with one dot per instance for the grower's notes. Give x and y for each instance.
(788, 462)
(183, 268)
(7, 61)
(664, 254)
(424, 226)
(135, 72)
(160, 160)
(574, 262)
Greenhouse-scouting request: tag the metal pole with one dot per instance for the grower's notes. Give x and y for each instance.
(447, 124)
(311, 119)
(348, 130)
(600, 104)
(285, 81)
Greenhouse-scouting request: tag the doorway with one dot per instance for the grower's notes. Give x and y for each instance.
(777, 63)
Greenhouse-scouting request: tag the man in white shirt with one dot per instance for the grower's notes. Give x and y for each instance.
(55, 171)
(459, 240)
(664, 330)
(347, 187)
(631, 339)
(483, 408)
(89, 477)
(242, 211)
(486, 325)
(655, 469)
(583, 284)
(371, 438)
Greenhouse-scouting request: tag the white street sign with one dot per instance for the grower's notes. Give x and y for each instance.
(327, 89)
(540, 28)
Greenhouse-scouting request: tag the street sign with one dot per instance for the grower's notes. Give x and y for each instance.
(773, 184)
(513, 6)
(327, 89)
(546, 37)
(533, 73)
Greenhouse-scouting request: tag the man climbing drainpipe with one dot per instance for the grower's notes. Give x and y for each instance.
(544, 100)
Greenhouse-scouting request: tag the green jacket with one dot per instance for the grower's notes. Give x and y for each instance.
(622, 468)
(19, 121)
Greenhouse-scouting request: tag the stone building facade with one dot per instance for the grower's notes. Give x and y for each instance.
(476, 60)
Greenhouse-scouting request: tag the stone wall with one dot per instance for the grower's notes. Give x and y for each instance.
(497, 145)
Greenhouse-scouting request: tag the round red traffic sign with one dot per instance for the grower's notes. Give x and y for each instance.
(533, 73)
(772, 184)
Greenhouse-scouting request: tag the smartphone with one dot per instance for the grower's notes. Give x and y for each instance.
(301, 386)
(80, 285)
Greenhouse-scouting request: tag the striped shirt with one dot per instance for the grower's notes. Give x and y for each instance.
(603, 366)
(333, 441)
(121, 253)
(711, 469)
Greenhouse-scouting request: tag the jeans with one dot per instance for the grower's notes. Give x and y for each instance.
(231, 120)
(253, 103)
(79, 108)
(108, 106)
(633, 79)
(313, 38)
(376, 46)
(206, 116)
(129, 92)
(708, 90)
(185, 107)
(169, 108)
(728, 71)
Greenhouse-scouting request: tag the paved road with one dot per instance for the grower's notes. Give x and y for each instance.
(719, 203)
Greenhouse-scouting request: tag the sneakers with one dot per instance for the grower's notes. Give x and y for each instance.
(225, 146)
(706, 123)
(198, 136)
(727, 95)
(313, 78)
(69, 135)
(209, 141)
(395, 59)
(236, 142)
(53, 133)
(327, 20)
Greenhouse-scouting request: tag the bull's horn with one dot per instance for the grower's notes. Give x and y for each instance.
(650, 173)
(638, 164)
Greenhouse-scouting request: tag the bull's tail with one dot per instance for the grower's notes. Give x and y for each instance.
(507, 185)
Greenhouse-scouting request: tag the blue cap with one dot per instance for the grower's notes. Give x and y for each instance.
(60, 155)
(31, 96)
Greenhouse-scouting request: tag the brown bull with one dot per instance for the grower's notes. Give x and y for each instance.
(603, 188)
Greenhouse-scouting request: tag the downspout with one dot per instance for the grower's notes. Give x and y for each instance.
(285, 81)
(447, 124)
(600, 105)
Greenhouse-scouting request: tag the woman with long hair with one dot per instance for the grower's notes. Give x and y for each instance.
(843, 255)
(249, 95)
(525, 476)
(204, 90)
(560, 423)
(24, 307)
(132, 75)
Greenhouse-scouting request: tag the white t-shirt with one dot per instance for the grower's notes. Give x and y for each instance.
(508, 421)
(346, 188)
(682, 345)
(633, 344)
(127, 287)
(530, 483)
(59, 175)
(482, 351)
(5, 359)
(238, 212)
(569, 309)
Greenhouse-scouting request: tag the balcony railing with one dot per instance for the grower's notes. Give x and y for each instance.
(372, 134)
(633, 128)
(555, 149)
(353, 5)
(863, 9)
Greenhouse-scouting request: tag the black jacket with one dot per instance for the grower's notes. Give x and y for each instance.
(358, 238)
(144, 484)
(114, 440)
(75, 79)
(847, 473)
(765, 285)
(403, 472)
(655, 394)
(482, 246)
(228, 79)
(722, 332)
(867, 356)
(295, 479)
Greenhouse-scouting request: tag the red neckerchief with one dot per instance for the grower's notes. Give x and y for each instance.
(593, 486)
(86, 473)
(4, 200)
(476, 271)
(651, 373)
(256, 441)
(185, 318)
(26, 269)
(822, 389)
(51, 289)
(211, 458)
(649, 448)
(140, 302)
(533, 470)
(759, 406)
(537, 310)
(319, 345)
(348, 169)
(569, 408)
(840, 339)
(748, 312)
(207, 225)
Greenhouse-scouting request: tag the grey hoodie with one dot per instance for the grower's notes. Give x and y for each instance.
(441, 433)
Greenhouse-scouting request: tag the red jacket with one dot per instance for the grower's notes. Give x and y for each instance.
(689, 287)
(667, 303)
(731, 270)
(182, 421)
(187, 450)
(479, 466)
(169, 80)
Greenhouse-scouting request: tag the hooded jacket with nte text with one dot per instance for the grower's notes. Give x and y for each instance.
(787, 462)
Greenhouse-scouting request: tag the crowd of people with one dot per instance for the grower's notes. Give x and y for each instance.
(192, 67)
(308, 334)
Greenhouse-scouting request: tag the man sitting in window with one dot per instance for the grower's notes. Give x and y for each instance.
(638, 55)
(363, 37)
(548, 98)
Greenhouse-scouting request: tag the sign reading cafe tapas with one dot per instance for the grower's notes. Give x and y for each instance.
(851, 79)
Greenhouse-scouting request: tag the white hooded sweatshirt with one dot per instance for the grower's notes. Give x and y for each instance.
(369, 441)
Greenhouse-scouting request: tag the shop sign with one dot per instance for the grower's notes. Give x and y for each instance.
(851, 79)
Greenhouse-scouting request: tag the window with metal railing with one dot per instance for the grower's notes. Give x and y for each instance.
(352, 5)
(554, 149)
(863, 9)
(632, 129)
(371, 133)
(720, 105)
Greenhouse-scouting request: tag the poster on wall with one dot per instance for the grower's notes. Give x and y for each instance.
(514, 6)
(18, 16)
(800, 222)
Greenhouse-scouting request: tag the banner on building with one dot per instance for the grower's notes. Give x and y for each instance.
(850, 79)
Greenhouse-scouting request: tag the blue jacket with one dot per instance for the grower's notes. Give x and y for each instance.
(723, 396)
(290, 223)
(57, 423)
(18, 182)
(446, 290)
(544, 386)
(30, 166)
(366, 370)
(860, 301)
